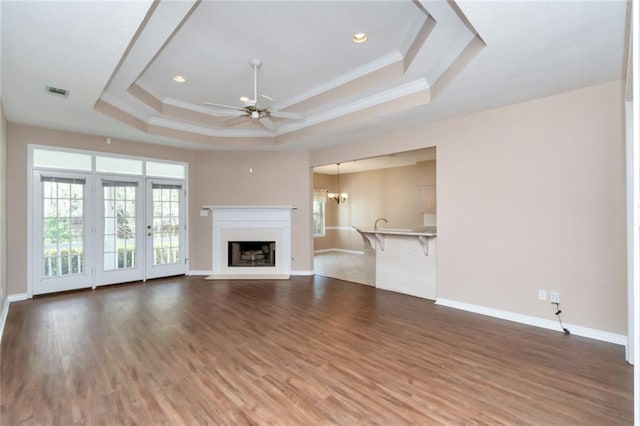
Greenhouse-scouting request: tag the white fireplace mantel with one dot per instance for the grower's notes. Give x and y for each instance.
(251, 223)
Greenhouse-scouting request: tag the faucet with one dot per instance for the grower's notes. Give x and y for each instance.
(375, 226)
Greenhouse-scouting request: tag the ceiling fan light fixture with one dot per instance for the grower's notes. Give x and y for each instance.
(359, 38)
(179, 79)
(252, 109)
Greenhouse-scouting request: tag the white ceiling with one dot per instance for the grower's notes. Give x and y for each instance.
(302, 45)
(117, 59)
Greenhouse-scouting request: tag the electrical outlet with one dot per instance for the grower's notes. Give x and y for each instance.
(554, 297)
(542, 295)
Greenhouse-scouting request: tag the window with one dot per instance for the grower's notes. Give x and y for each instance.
(168, 170)
(319, 201)
(52, 159)
(61, 159)
(118, 165)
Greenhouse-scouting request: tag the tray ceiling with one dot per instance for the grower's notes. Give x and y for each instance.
(423, 61)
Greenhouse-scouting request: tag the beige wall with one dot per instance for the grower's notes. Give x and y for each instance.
(3, 208)
(390, 193)
(426, 172)
(278, 178)
(530, 196)
(221, 178)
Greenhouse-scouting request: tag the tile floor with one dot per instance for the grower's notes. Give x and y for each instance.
(343, 266)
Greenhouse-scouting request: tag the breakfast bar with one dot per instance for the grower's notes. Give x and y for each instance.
(402, 260)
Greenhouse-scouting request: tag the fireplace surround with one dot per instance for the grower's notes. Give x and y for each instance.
(266, 233)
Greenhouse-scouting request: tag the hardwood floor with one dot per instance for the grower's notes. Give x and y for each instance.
(303, 351)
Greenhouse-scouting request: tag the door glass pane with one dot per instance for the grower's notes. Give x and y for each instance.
(119, 243)
(63, 226)
(166, 223)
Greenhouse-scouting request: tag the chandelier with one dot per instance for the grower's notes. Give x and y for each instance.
(339, 197)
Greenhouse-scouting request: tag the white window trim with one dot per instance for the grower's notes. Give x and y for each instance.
(320, 195)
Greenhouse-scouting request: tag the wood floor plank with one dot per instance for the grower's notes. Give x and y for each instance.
(310, 350)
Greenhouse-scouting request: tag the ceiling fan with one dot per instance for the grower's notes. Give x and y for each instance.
(252, 109)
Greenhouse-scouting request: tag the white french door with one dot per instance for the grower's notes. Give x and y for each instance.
(98, 229)
(166, 228)
(120, 229)
(63, 256)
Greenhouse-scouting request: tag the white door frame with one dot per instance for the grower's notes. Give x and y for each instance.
(72, 281)
(156, 271)
(119, 275)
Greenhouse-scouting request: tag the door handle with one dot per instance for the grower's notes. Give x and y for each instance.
(149, 234)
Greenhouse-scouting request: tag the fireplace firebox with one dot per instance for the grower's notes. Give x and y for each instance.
(252, 253)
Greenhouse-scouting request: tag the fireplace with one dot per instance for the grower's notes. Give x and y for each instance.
(251, 242)
(251, 253)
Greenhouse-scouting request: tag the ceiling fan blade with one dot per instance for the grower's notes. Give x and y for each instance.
(234, 121)
(268, 124)
(283, 114)
(229, 113)
(267, 97)
(225, 106)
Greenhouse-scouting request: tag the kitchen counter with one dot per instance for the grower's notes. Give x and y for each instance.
(429, 231)
(402, 260)
(377, 237)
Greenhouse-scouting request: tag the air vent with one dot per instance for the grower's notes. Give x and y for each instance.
(56, 91)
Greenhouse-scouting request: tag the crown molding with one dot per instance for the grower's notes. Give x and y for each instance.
(410, 88)
(123, 106)
(191, 128)
(347, 77)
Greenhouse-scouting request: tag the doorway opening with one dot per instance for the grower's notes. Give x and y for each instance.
(399, 187)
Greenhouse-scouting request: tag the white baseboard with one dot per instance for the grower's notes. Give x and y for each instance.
(3, 316)
(18, 297)
(5, 308)
(339, 250)
(605, 336)
(302, 273)
(207, 273)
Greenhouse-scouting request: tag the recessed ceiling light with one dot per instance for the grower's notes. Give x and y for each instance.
(359, 38)
(244, 99)
(179, 79)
